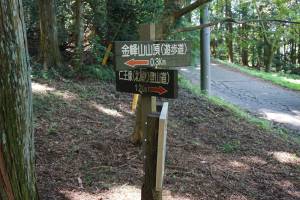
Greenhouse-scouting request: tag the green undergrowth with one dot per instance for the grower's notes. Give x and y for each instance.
(289, 81)
(238, 112)
(98, 72)
(103, 73)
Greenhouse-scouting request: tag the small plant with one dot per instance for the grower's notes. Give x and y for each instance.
(230, 147)
(52, 130)
(98, 72)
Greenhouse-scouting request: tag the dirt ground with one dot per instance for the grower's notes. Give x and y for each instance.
(83, 151)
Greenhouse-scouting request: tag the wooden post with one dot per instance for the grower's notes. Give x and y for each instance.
(107, 52)
(146, 104)
(151, 140)
(161, 146)
(134, 102)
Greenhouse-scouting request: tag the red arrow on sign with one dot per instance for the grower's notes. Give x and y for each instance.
(159, 90)
(132, 63)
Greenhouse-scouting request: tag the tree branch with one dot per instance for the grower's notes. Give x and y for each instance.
(190, 8)
(229, 20)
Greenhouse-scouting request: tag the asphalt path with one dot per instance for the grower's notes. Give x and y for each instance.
(259, 97)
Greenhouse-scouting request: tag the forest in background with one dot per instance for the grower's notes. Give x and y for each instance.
(71, 37)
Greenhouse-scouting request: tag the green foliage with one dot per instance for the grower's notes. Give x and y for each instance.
(98, 72)
(97, 49)
(258, 38)
(231, 146)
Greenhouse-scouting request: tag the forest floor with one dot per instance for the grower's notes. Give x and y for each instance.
(260, 97)
(82, 134)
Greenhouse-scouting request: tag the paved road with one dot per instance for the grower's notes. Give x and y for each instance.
(255, 95)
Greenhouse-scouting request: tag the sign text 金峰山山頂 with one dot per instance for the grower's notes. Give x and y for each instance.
(151, 54)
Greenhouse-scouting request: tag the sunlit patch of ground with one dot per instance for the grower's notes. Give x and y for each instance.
(88, 137)
(125, 192)
(41, 88)
(254, 160)
(284, 118)
(111, 112)
(297, 81)
(239, 165)
(237, 197)
(285, 157)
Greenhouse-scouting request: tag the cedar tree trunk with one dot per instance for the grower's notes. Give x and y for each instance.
(17, 171)
(49, 52)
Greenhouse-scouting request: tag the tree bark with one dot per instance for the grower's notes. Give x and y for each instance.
(268, 55)
(189, 8)
(229, 28)
(148, 188)
(17, 171)
(49, 52)
(245, 54)
(293, 52)
(78, 32)
(299, 49)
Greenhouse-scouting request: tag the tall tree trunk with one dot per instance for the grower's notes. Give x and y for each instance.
(168, 19)
(299, 50)
(49, 52)
(284, 53)
(245, 46)
(78, 32)
(17, 171)
(293, 52)
(245, 32)
(229, 28)
(214, 46)
(298, 46)
(253, 57)
(98, 16)
(268, 55)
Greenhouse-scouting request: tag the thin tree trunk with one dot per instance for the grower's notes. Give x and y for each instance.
(49, 52)
(268, 55)
(278, 64)
(293, 52)
(253, 56)
(229, 28)
(284, 53)
(78, 32)
(299, 51)
(98, 16)
(17, 172)
(245, 46)
(214, 46)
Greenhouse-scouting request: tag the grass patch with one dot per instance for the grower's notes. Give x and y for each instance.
(231, 146)
(98, 72)
(285, 80)
(238, 112)
(89, 71)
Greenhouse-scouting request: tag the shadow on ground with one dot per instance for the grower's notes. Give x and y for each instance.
(83, 151)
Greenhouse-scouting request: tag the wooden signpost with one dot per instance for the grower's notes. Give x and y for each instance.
(151, 54)
(161, 146)
(153, 82)
(143, 67)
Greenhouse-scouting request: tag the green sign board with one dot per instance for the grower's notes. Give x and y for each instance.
(151, 54)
